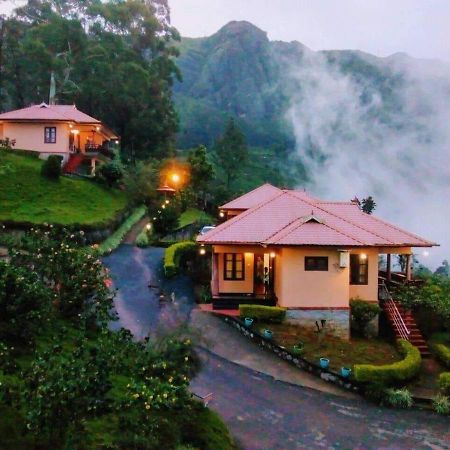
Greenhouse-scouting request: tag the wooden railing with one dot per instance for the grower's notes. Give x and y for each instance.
(393, 312)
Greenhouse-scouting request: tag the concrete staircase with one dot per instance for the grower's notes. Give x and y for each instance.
(405, 326)
(73, 163)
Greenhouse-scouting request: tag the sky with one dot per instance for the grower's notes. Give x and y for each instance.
(382, 27)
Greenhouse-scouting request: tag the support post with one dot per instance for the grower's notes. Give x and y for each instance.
(408, 268)
(388, 269)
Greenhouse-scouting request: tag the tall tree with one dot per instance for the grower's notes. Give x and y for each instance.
(202, 171)
(232, 152)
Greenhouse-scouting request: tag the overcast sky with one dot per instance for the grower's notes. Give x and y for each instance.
(382, 27)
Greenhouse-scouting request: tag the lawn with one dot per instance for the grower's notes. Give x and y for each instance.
(193, 215)
(26, 196)
(340, 352)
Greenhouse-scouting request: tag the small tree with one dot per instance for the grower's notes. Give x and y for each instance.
(368, 205)
(362, 312)
(112, 172)
(202, 171)
(443, 269)
(51, 168)
(165, 219)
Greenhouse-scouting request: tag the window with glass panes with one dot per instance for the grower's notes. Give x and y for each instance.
(234, 267)
(50, 135)
(359, 269)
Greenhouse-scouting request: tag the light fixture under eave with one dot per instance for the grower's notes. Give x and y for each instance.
(363, 256)
(273, 254)
(222, 214)
(202, 251)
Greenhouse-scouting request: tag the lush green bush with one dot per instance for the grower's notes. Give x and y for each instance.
(51, 168)
(362, 312)
(392, 373)
(111, 172)
(441, 404)
(165, 219)
(440, 345)
(174, 254)
(108, 245)
(142, 240)
(273, 314)
(444, 382)
(398, 398)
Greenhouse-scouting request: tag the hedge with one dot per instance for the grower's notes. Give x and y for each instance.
(392, 373)
(173, 254)
(439, 345)
(273, 314)
(444, 382)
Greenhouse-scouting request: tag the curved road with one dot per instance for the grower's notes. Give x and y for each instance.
(263, 413)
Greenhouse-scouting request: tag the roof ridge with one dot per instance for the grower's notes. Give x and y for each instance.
(239, 217)
(248, 193)
(350, 222)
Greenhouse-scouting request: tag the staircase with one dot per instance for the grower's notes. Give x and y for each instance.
(403, 323)
(74, 161)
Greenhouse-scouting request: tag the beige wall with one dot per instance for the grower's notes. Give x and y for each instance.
(30, 136)
(297, 288)
(237, 287)
(370, 291)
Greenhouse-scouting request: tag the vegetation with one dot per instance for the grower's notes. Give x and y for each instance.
(272, 314)
(51, 167)
(392, 373)
(340, 352)
(440, 345)
(368, 205)
(174, 256)
(362, 312)
(444, 382)
(441, 404)
(194, 215)
(78, 384)
(28, 198)
(398, 398)
(111, 172)
(116, 238)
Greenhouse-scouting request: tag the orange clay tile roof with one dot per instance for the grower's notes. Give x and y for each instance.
(293, 218)
(44, 112)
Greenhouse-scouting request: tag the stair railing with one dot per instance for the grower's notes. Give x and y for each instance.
(393, 312)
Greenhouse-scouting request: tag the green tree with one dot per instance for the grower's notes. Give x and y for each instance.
(202, 172)
(232, 152)
(443, 269)
(368, 205)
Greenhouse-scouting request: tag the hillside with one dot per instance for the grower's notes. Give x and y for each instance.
(26, 196)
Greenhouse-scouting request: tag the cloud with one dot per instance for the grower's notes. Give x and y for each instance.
(382, 128)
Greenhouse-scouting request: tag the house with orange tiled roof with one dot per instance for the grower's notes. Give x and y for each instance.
(59, 130)
(311, 256)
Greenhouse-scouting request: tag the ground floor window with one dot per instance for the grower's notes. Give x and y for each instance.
(359, 269)
(316, 263)
(234, 268)
(50, 135)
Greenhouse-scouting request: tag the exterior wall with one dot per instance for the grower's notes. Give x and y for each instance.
(367, 292)
(297, 288)
(30, 136)
(237, 287)
(1, 131)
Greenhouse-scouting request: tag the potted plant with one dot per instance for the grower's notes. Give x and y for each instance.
(324, 363)
(248, 322)
(346, 371)
(267, 334)
(298, 348)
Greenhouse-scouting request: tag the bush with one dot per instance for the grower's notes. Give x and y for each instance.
(441, 405)
(112, 172)
(440, 345)
(362, 312)
(273, 314)
(173, 255)
(398, 398)
(392, 373)
(51, 168)
(142, 239)
(444, 382)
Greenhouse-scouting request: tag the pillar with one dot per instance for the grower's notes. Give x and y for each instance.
(408, 268)
(388, 268)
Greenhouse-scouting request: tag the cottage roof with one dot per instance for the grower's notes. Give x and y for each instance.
(293, 218)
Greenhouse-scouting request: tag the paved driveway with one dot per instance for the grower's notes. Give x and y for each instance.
(261, 412)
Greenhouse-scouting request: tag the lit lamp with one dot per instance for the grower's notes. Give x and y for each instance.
(175, 178)
(167, 202)
(273, 254)
(202, 251)
(221, 214)
(363, 256)
(148, 226)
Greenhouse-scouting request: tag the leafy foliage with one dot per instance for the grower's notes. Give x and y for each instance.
(392, 373)
(166, 219)
(444, 382)
(440, 344)
(111, 172)
(362, 312)
(441, 404)
(398, 398)
(52, 167)
(273, 314)
(368, 205)
(175, 254)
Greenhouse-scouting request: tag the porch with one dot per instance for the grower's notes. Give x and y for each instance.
(232, 301)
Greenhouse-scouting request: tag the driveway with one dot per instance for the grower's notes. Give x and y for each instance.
(261, 412)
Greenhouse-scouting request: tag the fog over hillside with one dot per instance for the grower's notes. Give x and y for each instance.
(354, 143)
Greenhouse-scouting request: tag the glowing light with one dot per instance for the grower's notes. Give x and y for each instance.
(167, 202)
(148, 226)
(273, 254)
(117, 142)
(222, 214)
(175, 178)
(70, 125)
(75, 131)
(363, 256)
(426, 253)
(202, 251)
(97, 128)
(163, 206)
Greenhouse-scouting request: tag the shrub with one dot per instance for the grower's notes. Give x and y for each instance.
(273, 314)
(112, 172)
(391, 373)
(440, 345)
(174, 254)
(398, 398)
(51, 168)
(362, 312)
(165, 220)
(441, 404)
(444, 382)
(142, 239)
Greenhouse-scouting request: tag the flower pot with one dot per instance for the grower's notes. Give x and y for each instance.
(248, 322)
(346, 371)
(267, 334)
(324, 363)
(297, 349)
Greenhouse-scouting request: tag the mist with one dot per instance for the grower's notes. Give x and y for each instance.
(386, 134)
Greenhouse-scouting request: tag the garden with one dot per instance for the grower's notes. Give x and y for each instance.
(67, 381)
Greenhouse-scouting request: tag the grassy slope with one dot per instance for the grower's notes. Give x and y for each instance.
(25, 196)
(193, 215)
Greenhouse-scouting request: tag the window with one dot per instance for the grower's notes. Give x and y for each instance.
(359, 269)
(316, 263)
(234, 268)
(50, 135)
